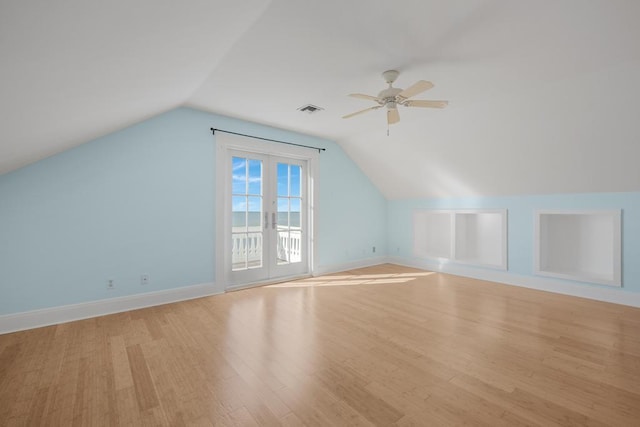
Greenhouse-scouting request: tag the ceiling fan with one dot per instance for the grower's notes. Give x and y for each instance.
(391, 97)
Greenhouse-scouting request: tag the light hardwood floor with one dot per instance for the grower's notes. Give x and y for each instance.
(385, 345)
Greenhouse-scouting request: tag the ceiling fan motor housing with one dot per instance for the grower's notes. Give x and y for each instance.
(388, 97)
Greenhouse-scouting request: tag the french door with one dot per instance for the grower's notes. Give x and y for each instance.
(268, 205)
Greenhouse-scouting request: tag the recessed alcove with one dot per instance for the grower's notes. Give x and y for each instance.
(476, 237)
(579, 245)
(481, 238)
(432, 234)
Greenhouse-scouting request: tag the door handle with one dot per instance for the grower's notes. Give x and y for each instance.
(273, 220)
(266, 220)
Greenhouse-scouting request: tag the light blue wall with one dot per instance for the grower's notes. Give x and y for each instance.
(521, 225)
(350, 222)
(142, 201)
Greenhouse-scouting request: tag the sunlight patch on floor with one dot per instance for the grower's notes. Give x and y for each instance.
(352, 280)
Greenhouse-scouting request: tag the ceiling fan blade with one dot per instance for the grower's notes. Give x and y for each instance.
(362, 96)
(361, 111)
(393, 116)
(427, 104)
(417, 88)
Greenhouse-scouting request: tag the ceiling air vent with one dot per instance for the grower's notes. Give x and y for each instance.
(310, 109)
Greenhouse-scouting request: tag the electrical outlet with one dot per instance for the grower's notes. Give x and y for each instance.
(111, 284)
(144, 279)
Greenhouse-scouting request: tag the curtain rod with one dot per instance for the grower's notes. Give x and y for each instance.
(213, 130)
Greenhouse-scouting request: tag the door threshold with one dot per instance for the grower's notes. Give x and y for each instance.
(243, 286)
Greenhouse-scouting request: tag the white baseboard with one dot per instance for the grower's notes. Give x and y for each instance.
(336, 268)
(612, 295)
(67, 313)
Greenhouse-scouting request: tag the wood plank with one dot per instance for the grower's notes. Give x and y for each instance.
(143, 384)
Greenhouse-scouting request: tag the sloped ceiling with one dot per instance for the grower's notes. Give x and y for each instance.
(73, 70)
(543, 95)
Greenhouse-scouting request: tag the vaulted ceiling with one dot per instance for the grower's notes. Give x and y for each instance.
(543, 94)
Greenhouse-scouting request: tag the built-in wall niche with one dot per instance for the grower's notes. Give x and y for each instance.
(481, 238)
(432, 234)
(477, 237)
(579, 245)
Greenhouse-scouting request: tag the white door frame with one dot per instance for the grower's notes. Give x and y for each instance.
(226, 142)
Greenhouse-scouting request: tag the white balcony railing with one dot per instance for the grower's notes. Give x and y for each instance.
(246, 249)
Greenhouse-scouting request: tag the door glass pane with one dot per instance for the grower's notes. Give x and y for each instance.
(294, 213)
(289, 206)
(239, 171)
(247, 214)
(239, 217)
(296, 180)
(283, 246)
(254, 215)
(283, 212)
(255, 177)
(238, 251)
(254, 250)
(295, 241)
(283, 179)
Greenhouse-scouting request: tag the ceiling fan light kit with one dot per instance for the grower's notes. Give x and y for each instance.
(391, 97)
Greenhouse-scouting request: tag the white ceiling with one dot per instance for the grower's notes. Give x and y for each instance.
(543, 94)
